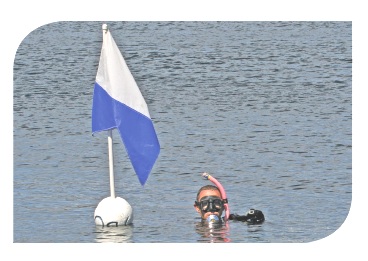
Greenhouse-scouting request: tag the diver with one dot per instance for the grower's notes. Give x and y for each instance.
(211, 202)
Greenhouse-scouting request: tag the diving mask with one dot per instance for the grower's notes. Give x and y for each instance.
(210, 204)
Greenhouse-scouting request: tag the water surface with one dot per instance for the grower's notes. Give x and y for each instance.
(265, 107)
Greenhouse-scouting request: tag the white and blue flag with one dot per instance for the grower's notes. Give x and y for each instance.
(118, 103)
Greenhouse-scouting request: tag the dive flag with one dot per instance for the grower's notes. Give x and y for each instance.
(118, 103)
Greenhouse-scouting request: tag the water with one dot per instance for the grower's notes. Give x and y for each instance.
(265, 107)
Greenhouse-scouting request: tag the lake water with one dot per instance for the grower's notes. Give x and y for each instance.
(265, 107)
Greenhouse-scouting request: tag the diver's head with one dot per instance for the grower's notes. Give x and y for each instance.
(209, 202)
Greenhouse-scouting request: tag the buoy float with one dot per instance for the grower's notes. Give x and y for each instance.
(113, 211)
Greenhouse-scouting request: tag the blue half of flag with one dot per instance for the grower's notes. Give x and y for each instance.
(118, 103)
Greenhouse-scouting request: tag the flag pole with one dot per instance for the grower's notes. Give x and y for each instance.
(109, 141)
(111, 164)
(111, 211)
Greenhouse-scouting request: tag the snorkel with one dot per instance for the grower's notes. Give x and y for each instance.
(222, 191)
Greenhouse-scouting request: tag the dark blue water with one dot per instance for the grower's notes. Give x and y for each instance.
(265, 107)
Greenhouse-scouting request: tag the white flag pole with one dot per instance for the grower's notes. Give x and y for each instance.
(109, 141)
(111, 164)
(112, 211)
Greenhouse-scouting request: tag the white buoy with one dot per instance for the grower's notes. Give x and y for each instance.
(113, 212)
